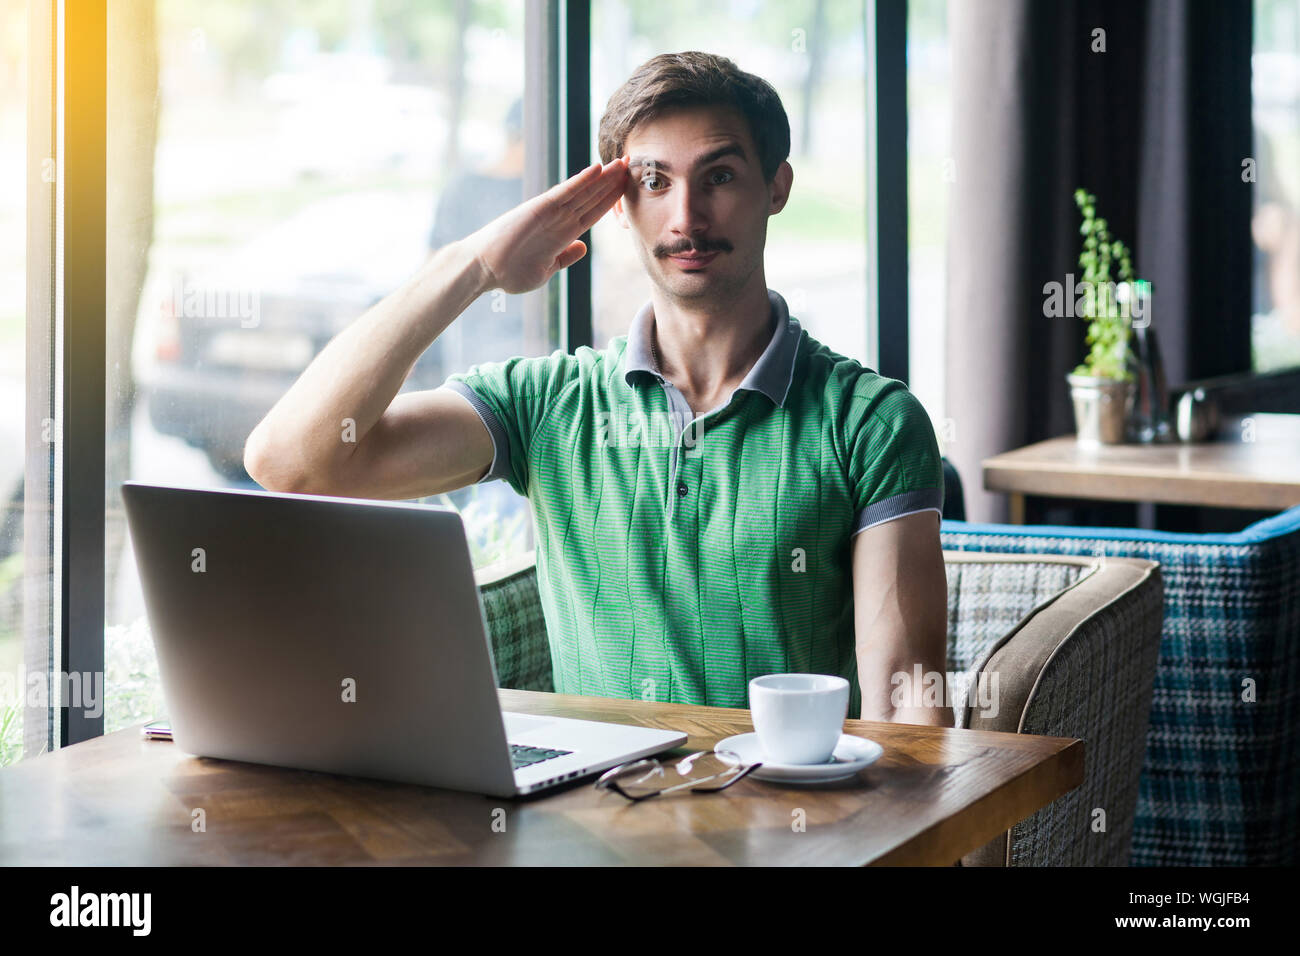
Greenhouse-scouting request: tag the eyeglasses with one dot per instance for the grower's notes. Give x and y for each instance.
(707, 771)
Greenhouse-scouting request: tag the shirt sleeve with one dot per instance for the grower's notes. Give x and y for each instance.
(894, 466)
(513, 399)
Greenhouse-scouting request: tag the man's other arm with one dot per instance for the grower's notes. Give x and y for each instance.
(900, 596)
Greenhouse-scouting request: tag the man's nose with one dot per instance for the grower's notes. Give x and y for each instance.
(689, 210)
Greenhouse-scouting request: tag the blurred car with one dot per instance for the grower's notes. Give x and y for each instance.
(216, 350)
(213, 380)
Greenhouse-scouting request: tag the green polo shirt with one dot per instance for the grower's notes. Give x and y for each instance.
(678, 557)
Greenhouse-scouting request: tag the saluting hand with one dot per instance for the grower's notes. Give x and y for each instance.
(521, 249)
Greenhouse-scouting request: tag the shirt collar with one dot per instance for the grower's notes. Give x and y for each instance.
(771, 374)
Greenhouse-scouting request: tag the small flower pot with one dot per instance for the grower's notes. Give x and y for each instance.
(1102, 409)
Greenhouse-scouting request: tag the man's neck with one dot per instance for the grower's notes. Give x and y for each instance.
(707, 352)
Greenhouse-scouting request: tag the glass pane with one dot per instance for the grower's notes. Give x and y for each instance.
(275, 168)
(1275, 223)
(26, 427)
(13, 285)
(930, 176)
(815, 254)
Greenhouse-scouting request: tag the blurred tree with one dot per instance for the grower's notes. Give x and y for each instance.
(812, 79)
(806, 30)
(131, 140)
(451, 154)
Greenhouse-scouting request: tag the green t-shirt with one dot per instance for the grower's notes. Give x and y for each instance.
(679, 557)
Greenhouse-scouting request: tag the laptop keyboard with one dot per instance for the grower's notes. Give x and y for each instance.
(524, 756)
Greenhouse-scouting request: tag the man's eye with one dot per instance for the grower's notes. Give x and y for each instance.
(651, 177)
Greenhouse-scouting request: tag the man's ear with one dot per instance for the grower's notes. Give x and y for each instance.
(619, 214)
(780, 188)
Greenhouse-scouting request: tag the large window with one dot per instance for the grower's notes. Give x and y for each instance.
(813, 54)
(930, 178)
(274, 168)
(1275, 224)
(13, 272)
(29, 436)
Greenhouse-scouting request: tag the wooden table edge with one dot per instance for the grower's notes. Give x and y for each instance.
(1063, 773)
(941, 844)
(1059, 770)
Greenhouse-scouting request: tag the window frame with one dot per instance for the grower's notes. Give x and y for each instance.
(888, 318)
(80, 370)
(69, 289)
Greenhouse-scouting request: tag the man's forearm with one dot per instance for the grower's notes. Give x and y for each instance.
(937, 716)
(897, 694)
(351, 383)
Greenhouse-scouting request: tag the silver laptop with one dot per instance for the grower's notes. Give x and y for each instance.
(342, 635)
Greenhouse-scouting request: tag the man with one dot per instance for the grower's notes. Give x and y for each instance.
(717, 495)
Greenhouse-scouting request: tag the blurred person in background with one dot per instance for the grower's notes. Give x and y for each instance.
(470, 200)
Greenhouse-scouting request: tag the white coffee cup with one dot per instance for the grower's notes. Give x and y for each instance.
(798, 717)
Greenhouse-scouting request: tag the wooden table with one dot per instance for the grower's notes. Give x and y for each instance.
(1262, 474)
(935, 795)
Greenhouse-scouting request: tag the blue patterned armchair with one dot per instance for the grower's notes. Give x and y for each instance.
(1220, 782)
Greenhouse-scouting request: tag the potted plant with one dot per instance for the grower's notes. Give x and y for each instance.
(1103, 386)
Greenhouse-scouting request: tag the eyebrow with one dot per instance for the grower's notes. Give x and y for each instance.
(731, 149)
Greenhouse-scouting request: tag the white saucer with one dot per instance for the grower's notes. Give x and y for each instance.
(851, 755)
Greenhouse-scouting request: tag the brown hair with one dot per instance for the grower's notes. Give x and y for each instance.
(692, 78)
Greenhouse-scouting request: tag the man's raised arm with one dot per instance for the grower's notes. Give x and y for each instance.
(342, 429)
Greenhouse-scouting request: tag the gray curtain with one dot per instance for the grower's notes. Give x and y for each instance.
(1156, 126)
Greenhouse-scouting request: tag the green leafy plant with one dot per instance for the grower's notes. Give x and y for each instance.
(1109, 319)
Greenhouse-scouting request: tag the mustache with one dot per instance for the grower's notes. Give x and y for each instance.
(703, 248)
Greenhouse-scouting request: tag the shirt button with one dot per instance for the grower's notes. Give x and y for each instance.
(681, 489)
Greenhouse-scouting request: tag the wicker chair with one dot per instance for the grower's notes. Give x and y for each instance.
(1068, 644)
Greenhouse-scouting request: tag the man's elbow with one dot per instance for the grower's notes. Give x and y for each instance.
(271, 468)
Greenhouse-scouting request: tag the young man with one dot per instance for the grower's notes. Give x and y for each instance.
(717, 495)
